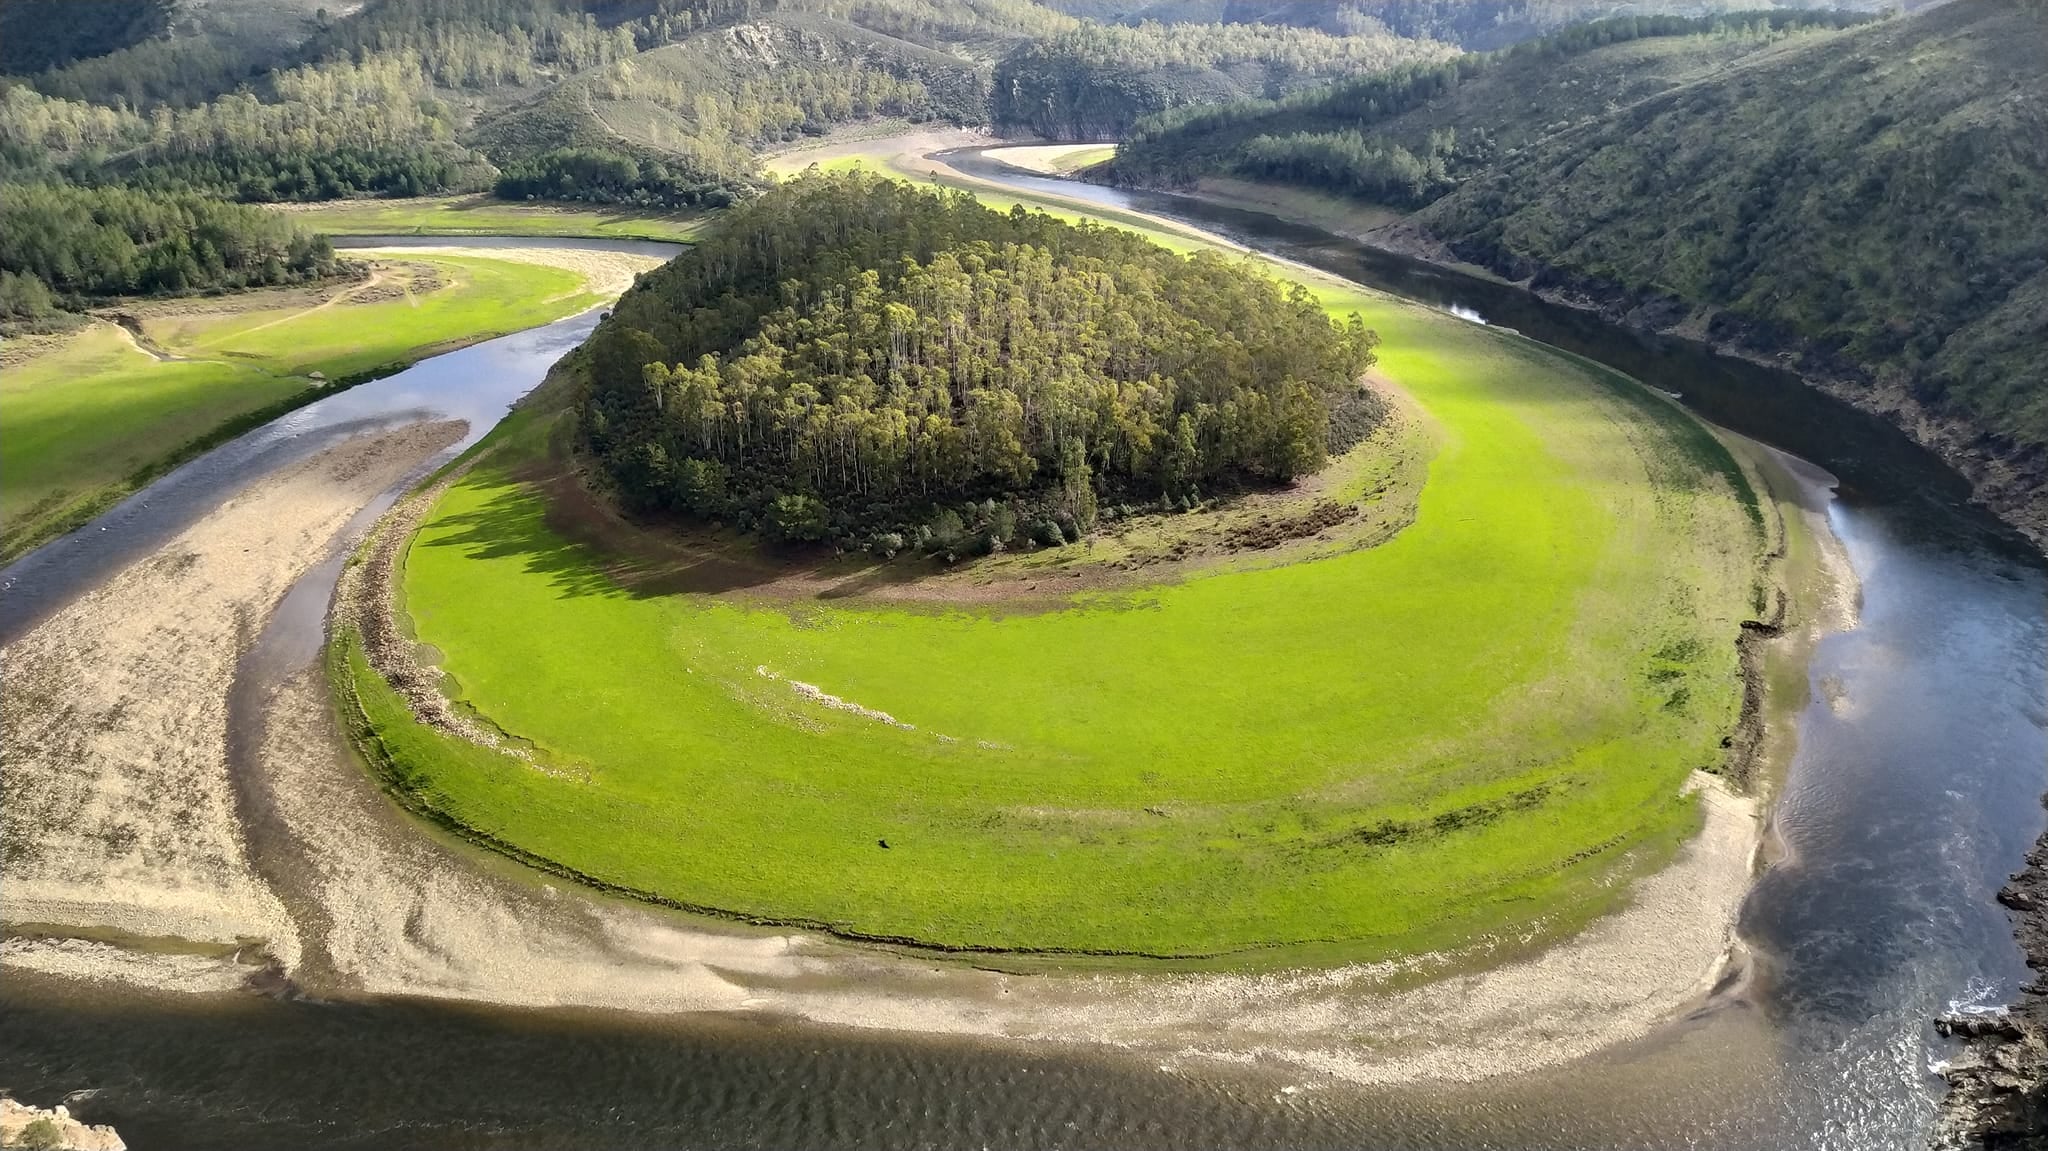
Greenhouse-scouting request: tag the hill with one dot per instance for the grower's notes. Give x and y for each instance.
(1097, 80)
(1865, 201)
(659, 102)
(1408, 135)
(1476, 25)
(1872, 201)
(851, 358)
(38, 34)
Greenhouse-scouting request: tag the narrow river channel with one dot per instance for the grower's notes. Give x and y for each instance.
(1916, 787)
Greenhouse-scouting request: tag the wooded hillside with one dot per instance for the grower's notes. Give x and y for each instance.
(1878, 197)
(1407, 135)
(851, 358)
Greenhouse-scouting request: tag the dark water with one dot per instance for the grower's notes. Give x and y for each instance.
(1915, 789)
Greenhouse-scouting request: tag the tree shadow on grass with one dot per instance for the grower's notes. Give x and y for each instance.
(558, 530)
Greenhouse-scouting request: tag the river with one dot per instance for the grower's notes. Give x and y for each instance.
(1916, 787)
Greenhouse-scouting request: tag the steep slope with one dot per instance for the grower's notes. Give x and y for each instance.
(1476, 25)
(705, 104)
(1408, 135)
(1875, 201)
(1097, 80)
(38, 34)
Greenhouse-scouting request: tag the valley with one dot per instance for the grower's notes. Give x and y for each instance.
(1034, 574)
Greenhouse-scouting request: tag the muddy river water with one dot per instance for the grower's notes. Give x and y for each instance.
(1917, 784)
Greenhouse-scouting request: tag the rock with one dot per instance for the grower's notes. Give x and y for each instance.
(16, 1118)
(1998, 1084)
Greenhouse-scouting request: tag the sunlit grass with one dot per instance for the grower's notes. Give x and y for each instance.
(87, 419)
(1475, 727)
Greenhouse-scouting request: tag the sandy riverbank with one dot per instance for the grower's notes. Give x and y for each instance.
(606, 273)
(120, 812)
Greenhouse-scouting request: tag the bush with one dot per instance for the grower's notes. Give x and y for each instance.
(944, 532)
(797, 519)
(41, 1135)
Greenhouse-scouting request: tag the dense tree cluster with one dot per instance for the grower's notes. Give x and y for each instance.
(478, 43)
(853, 359)
(60, 242)
(1376, 169)
(601, 176)
(331, 130)
(1332, 138)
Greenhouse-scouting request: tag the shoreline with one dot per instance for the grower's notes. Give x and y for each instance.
(606, 274)
(382, 907)
(2001, 481)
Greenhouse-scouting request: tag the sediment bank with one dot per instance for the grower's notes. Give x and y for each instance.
(120, 812)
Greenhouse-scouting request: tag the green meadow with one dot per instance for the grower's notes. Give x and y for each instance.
(96, 416)
(1478, 727)
(477, 215)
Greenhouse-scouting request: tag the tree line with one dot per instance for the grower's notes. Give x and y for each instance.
(63, 246)
(852, 359)
(602, 176)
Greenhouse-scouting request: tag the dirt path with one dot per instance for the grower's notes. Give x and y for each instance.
(120, 813)
(145, 345)
(378, 276)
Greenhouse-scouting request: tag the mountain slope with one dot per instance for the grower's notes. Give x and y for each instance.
(1408, 135)
(1875, 199)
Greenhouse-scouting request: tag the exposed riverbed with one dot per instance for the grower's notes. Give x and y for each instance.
(1915, 788)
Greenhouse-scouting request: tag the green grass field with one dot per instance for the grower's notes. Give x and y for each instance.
(478, 215)
(1478, 727)
(90, 419)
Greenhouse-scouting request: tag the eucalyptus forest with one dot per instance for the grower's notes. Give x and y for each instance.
(847, 356)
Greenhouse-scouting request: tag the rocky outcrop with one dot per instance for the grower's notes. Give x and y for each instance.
(1998, 1083)
(52, 1130)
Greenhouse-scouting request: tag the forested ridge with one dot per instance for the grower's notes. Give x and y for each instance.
(852, 359)
(1875, 198)
(660, 102)
(1097, 80)
(1355, 137)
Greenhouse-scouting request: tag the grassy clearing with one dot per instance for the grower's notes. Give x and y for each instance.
(479, 215)
(96, 416)
(1477, 727)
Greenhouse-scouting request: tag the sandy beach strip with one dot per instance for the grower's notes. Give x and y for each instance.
(120, 812)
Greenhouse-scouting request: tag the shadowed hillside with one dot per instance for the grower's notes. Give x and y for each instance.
(1868, 200)
(1876, 199)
